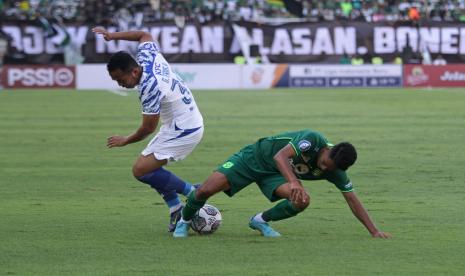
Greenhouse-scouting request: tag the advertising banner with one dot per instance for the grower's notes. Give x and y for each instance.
(94, 76)
(38, 76)
(434, 76)
(345, 76)
(220, 42)
(209, 76)
(264, 76)
(197, 76)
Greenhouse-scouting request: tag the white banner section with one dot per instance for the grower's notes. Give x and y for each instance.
(196, 76)
(94, 76)
(209, 76)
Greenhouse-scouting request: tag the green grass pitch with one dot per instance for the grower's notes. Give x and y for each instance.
(70, 206)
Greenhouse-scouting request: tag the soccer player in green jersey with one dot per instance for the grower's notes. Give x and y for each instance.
(278, 164)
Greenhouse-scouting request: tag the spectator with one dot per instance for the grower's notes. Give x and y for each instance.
(3, 46)
(357, 60)
(439, 60)
(377, 60)
(397, 60)
(344, 59)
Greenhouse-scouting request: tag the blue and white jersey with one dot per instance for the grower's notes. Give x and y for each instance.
(161, 91)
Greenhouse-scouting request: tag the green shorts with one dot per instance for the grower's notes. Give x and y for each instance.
(241, 169)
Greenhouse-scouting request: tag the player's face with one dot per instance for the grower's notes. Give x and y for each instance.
(125, 79)
(325, 163)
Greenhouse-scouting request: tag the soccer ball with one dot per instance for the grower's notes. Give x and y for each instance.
(206, 220)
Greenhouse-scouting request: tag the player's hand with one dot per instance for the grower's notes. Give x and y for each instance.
(101, 31)
(116, 141)
(298, 193)
(381, 235)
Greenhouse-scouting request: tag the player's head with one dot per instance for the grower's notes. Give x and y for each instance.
(124, 69)
(341, 156)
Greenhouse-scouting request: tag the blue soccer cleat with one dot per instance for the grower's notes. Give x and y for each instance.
(182, 229)
(263, 228)
(174, 218)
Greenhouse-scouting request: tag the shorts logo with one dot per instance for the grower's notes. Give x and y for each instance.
(304, 145)
(228, 165)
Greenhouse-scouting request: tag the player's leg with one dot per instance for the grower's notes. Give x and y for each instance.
(230, 177)
(286, 208)
(216, 182)
(149, 170)
(165, 147)
(273, 189)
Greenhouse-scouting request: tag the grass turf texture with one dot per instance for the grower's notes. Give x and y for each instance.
(69, 205)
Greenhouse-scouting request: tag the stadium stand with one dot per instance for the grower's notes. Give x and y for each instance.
(148, 11)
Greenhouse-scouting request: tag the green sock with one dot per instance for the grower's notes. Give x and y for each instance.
(282, 210)
(192, 206)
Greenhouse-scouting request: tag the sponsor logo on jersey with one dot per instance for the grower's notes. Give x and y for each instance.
(157, 69)
(316, 172)
(304, 145)
(165, 72)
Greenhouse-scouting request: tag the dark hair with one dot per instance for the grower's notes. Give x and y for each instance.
(343, 155)
(121, 60)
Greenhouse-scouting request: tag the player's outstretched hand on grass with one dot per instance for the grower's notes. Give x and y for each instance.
(116, 141)
(381, 235)
(99, 30)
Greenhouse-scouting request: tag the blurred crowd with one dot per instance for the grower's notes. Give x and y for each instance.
(147, 11)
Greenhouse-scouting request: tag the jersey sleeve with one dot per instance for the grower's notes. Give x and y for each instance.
(340, 179)
(308, 141)
(151, 102)
(146, 53)
(149, 89)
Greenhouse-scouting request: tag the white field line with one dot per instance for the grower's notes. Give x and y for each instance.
(118, 92)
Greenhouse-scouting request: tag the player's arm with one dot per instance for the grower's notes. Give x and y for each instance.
(148, 126)
(362, 215)
(139, 36)
(281, 159)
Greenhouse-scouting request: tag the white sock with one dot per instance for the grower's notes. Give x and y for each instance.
(258, 217)
(175, 208)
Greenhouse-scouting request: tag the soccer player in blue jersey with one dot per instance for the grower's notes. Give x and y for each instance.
(165, 98)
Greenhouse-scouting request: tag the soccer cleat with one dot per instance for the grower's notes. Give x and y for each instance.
(182, 229)
(263, 228)
(174, 218)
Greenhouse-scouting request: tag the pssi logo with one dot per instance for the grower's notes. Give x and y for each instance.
(39, 76)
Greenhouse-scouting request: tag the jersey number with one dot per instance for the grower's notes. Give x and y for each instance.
(301, 169)
(184, 91)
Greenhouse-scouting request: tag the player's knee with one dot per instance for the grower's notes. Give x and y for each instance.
(137, 171)
(303, 204)
(204, 192)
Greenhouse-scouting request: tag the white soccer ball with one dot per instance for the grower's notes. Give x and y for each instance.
(207, 220)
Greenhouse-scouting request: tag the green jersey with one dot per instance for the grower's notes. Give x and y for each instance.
(307, 144)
